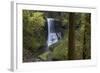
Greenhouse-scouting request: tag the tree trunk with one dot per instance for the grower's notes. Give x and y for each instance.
(87, 38)
(71, 45)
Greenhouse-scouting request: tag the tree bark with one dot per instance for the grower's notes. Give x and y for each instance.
(87, 37)
(71, 45)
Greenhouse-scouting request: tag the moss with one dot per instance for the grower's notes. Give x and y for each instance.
(60, 50)
(44, 56)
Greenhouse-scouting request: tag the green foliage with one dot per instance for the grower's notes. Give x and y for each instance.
(64, 19)
(82, 34)
(33, 28)
(36, 21)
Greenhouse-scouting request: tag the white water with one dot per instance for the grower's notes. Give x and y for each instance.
(52, 37)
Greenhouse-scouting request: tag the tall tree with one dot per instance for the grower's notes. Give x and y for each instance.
(71, 45)
(87, 36)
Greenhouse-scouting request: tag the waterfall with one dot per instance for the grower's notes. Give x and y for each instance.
(52, 36)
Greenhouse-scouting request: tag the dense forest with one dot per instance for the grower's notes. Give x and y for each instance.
(72, 30)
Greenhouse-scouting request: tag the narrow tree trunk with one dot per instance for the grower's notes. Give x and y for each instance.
(71, 45)
(87, 38)
(84, 46)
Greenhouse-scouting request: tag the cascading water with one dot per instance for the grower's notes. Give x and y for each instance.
(52, 36)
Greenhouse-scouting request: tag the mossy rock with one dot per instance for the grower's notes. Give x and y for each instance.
(44, 56)
(60, 51)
